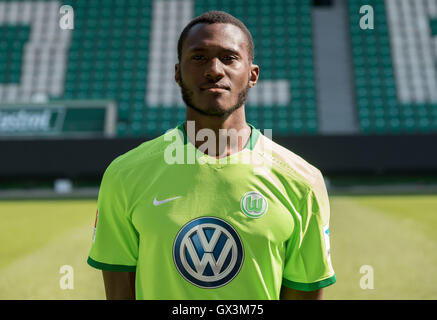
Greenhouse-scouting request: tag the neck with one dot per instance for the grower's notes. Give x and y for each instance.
(217, 136)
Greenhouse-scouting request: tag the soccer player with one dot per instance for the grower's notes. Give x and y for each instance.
(214, 228)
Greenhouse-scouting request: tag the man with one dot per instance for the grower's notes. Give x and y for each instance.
(213, 228)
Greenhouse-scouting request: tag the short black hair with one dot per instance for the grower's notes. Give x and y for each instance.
(211, 17)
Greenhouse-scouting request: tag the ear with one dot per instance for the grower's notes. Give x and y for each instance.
(177, 74)
(253, 75)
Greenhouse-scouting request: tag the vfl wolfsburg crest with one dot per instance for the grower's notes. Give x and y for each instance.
(253, 204)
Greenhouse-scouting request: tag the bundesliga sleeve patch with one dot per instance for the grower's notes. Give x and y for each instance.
(327, 244)
(95, 225)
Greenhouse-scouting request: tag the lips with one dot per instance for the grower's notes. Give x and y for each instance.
(214, 86)
(215, 90)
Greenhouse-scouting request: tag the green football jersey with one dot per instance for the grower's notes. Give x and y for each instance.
(196, 227)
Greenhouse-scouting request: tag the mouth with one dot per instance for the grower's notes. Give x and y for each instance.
(217, 90)
(214, 88)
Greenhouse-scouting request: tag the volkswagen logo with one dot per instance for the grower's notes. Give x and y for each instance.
(208, 252)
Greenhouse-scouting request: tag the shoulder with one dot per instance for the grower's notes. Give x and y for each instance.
(292, 165)
(147, 154)
(300, 177)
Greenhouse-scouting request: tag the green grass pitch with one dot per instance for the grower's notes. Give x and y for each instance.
(395, 235)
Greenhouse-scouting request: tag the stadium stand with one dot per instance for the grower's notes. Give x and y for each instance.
(395, 66)
(349, 100)
(126, 51)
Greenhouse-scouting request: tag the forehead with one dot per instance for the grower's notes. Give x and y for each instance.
(216, 36)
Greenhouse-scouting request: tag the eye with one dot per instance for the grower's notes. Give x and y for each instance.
(198, 57)
(229, 58)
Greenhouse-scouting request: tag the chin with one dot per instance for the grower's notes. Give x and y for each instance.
(216, 106)
(213, 107)
(217, 111)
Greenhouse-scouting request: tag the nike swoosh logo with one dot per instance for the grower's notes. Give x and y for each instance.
(157, 203)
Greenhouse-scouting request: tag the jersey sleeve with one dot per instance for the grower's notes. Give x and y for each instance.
(308, 263)
(115, 241)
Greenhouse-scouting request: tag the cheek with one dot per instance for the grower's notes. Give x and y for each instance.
(241, 83)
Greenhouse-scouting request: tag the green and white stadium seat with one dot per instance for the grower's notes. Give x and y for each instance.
(125, 50)
(395, 66)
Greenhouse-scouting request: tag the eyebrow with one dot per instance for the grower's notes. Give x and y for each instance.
(204, 49)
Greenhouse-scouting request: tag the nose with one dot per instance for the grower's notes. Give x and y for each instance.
(214, 70)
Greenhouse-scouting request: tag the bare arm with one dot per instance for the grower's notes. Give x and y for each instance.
(119, 285)
(292, 294)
